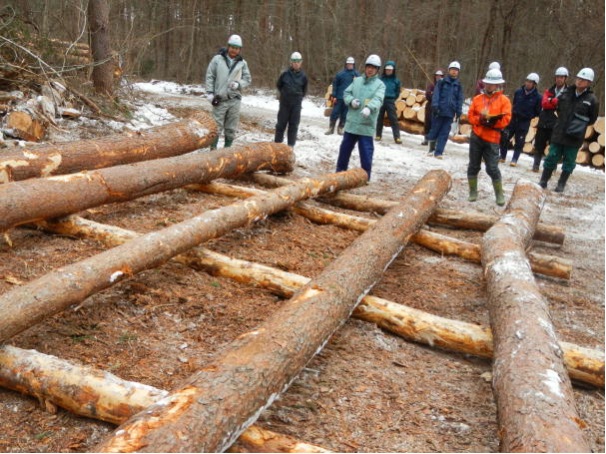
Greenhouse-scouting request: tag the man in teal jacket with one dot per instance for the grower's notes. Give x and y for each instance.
(364, 97)
(392, 92)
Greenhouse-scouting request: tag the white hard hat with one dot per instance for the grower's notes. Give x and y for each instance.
(586, 73)
(494, 65)
(455, 64)
(534, 77)
(374, 60)
(494, 76)
(439, 72)
(296, 56)
(389, 67)
(561, 71)
(350, 60)
(234, 41)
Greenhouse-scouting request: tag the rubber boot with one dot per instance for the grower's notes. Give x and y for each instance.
(331, 128)
(473, 189)
(545, 177)
(432, 147)
(340, 129)
(228, 142)
(214, 143)
(498, 192)
(562, 181)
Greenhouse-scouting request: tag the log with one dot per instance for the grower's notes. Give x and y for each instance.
(459, 138)
(400, 107)
(528, 148)
(225, 397)
(600, 140)
(443, 217)
(583, 364)
(411, 127)
(20, 202)
(27, 305)
(597, 160)
(421, 114)
(583, 157)
(589, 132)
(97, 394)
(410, 114)
(465, 129)
(160, 142)
(420, 98)
(594, 147)
(535, 403)
(534, 122)
(530, 135)
(22, 126)
(442, 244)
(410, 100)
(598, 126)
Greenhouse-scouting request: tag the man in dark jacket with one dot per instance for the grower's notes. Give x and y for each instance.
(547, 117)
(392, 92)
(526, 106)
(342, 80)
(439, 74)
(577, 108)
(292, 85)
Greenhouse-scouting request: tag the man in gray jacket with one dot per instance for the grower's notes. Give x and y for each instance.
(227, 74)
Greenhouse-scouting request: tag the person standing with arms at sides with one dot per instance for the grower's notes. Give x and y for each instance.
(446, 104)
(526, 106)
(489, 113)
(547, 117)
(439, 74)
(480, 83)
(365, 97)
(292, 85)
(392, 92)
(227, 74)
(342, 80)
(577, 108)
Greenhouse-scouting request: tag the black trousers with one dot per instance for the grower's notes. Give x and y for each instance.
(289, 115)
(389, 106)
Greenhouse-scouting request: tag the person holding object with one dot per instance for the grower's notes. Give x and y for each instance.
(227, 74)
(365, 97)
(392, 92)
(489, 114)
(342, 80)
(292, 85)
(577, 109)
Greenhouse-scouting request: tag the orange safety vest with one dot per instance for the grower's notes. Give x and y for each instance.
(495, 104)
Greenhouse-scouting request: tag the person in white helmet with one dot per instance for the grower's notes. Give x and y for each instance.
(365, 97)
(526, 106)
(480, 83)
(547, 117)
(577, 109)
(227, 74)
(437, 75)
(342, 80)
(292, 85)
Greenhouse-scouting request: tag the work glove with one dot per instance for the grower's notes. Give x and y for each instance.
(355, 103)
(234, 85)
(210, 96)
(365, 112)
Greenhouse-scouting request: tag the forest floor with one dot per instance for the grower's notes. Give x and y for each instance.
(367, 390)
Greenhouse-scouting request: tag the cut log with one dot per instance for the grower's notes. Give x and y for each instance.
(598, 126)
(594, 147)
(597, 160)
(589, 132)
(420, 98)
(160, 142)
(584, 365)
(410, 114)
(225, 397)
(410, 100)
(20, 202)
(443, 217)
(465, 129)
(600, 140)
(421, 114)
(93, 393)
(534, 122)
(530, 135)
(411, 127)
(583, 157)
(400, 107)
(528, 147)
(29, 304)
(459, 138)
(22, 126)
(535, 404)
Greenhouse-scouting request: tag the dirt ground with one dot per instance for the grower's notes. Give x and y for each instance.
(367, 390)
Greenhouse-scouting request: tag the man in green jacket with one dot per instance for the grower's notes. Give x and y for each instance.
(364, 97)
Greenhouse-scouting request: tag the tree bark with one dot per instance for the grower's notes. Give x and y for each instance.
(450, 218)
(225, 397)
(54, 292)
(103, 74)
(20, 202)
(535, 404)
(97, 394)
(159, 142)
(583, 364)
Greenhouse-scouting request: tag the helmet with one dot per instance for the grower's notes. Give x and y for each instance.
(350, 60)
(494, 76)
(455, 64)
(534, 77)
(438, 72)
(296, 56)
(586, 73)
(494, 65)
(234, 41)
(374, 60)
(561, 71)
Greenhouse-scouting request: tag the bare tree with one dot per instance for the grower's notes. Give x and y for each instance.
(98, 17)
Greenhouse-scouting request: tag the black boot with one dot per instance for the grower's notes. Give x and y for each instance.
(331, 128)
(545, 177)
(562, 181)
(538, 156)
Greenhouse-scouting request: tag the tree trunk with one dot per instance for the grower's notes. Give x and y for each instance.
(583, 364)
(159, 142)
(53, 292)
(451, 218)
(535, 404)
(20, 202)
(225, 397)
(98, 18)
(97, 394)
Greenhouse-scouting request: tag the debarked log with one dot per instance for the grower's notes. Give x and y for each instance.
(21, 202)
(29, 304)
(535, 403)
(226, 396)
(97, 394)
(159, 142)
(583, 364)
(451, 218)
(546, 265)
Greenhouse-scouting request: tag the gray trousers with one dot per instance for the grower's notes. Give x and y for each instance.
(227, 116)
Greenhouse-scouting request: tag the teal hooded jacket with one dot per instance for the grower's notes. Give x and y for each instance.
(370, 92)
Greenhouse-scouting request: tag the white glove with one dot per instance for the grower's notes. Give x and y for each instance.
(365, 112)
(234, 85)
(355, 103)
(210, 96)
